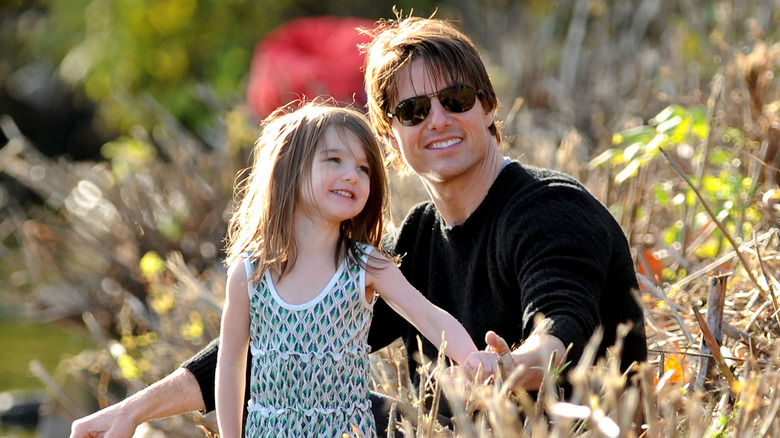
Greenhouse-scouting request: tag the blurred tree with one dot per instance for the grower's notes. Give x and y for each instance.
(189, 56)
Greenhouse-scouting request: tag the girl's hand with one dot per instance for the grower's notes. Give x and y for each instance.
(481, 365)
(478, 367)
(459, 381)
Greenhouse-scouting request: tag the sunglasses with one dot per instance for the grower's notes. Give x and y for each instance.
(457, 98)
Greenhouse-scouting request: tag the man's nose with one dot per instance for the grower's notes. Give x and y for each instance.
(439, 116)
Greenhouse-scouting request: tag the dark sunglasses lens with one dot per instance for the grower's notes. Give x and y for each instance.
(413, 110)
(458, 99)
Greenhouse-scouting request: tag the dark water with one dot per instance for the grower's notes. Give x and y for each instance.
(22, 341)
(16, 433)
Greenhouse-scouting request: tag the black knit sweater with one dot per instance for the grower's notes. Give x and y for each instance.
(539, 243)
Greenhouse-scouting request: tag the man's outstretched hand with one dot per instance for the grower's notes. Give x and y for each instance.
(522, 368)
(107, 423)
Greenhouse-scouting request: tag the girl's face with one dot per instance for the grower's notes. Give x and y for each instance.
(340, 181)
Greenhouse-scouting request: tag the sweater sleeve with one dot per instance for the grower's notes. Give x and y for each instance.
(203, 365)
(562, 264)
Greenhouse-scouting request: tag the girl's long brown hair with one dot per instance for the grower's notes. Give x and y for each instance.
(283, 157)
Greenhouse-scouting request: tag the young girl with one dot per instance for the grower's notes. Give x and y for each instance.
(304, 275)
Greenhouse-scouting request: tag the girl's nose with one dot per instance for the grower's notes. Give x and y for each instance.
(350, 175)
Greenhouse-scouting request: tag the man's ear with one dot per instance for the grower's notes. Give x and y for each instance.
(490, 117)
(392, 142)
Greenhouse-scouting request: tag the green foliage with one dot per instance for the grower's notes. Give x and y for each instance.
(636, 147)
(725, 185)
(189, 55)
(128, 156)
(27, 344)
(166, 48)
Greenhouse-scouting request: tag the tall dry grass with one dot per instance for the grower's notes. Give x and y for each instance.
(130, 247)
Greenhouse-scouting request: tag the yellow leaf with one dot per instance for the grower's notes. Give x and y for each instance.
(151, 263)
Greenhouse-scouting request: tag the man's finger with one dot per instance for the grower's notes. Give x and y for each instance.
(496, 343)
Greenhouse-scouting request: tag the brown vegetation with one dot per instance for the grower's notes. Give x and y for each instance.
(131, 247)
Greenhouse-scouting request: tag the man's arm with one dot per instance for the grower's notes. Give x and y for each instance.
(175, 394)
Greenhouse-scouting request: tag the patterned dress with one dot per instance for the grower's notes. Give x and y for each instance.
(310, 368)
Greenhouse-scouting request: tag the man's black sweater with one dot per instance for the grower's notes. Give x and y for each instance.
(539, 243)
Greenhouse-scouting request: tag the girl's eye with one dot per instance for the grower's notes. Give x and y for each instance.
(334, 159)
(364, 169)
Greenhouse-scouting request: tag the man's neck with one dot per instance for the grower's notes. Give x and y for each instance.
(458, 198)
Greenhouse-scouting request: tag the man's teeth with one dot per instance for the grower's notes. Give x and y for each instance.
(343, 193)
(443, 144)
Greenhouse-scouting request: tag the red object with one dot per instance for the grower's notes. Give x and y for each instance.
(309, 57)
(653, 262)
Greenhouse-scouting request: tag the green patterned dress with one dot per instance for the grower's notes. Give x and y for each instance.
(310, 368)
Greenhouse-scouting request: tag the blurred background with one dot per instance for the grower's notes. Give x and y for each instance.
(123, 125)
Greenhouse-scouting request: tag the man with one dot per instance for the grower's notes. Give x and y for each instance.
(515, 253)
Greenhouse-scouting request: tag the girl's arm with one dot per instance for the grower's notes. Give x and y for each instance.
(231, 362)
(387, 280)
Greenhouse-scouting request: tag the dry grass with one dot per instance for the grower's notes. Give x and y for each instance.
(130, 247)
